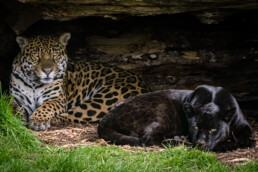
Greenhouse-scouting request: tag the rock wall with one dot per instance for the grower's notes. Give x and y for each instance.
(207, 10)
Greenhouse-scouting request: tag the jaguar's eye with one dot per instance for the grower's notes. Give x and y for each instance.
(213, 130)
(35, 55)
(56, 55)
(196, 127)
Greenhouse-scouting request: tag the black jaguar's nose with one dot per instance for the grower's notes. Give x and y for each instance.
(201, 143)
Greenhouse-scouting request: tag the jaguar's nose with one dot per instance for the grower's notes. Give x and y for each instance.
(47, 71)
(201, 143)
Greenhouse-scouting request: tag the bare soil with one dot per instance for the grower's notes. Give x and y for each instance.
(74, 135)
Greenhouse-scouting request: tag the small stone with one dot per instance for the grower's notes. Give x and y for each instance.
(177, 137)
(153, 56)
(137, 57)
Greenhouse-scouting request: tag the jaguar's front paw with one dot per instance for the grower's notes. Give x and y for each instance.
(244, 142)
(39, 124)
(227, 145)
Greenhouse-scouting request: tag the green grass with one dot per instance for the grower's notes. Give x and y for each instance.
(110, 159)
(20, 150)
(11, 127)
(250, 167)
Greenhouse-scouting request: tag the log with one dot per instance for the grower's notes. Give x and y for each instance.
(71, 9)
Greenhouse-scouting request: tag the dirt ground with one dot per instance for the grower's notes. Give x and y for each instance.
(75, 135)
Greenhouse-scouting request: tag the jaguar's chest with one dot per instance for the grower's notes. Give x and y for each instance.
(31, 96)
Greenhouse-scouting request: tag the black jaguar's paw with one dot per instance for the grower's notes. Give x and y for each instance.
(244, 137)
(225, 146)
(246, 142)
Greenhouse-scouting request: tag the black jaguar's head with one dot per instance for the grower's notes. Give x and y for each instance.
(209, 111)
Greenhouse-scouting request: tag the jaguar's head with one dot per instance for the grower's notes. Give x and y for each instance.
(210, 110)
(43, 58)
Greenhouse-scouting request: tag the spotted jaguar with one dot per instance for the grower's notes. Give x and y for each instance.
(47, 88)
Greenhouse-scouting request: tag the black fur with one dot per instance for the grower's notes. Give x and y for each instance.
(209, 116)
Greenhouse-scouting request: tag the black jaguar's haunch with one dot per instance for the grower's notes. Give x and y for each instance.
(210, 116)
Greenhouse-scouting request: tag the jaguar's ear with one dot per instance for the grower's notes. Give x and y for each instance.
(64, 38)
(188, 109)
(229, 114)
(22, 41)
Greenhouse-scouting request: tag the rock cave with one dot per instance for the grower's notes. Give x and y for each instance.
(172, 44)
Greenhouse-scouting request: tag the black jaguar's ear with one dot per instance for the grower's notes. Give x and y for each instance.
(22, 41)
(189, 97)
(64, 38)
(188, 109)
(229, 114)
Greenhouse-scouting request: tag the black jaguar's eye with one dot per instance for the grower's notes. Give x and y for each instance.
(212, 130)
(196, 127)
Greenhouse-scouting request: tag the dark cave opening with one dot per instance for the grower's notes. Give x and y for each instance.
(169, 51)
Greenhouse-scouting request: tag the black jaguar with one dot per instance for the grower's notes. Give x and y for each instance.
(209, 116)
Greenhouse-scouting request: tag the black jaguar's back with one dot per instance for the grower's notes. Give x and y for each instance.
(145, 120)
